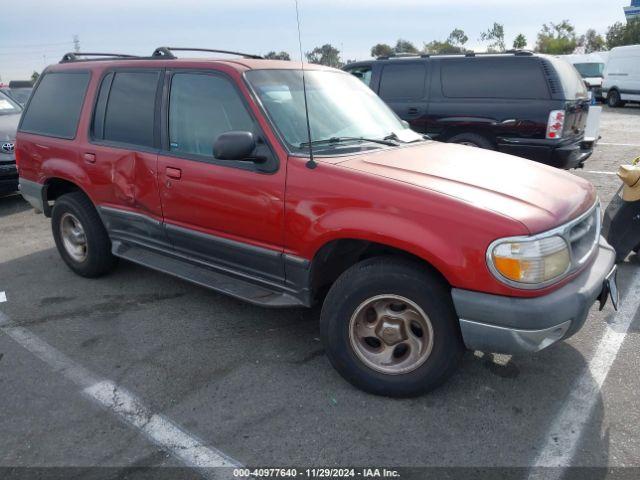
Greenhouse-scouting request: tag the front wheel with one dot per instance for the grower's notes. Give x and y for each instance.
(389, 327)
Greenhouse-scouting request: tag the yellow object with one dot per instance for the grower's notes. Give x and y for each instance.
(630, 175)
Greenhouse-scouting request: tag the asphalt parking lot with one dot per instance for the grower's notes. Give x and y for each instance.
(98, 372)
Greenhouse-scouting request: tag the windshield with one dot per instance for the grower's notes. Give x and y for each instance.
(8, 106)
(589, 69)
(339, 106)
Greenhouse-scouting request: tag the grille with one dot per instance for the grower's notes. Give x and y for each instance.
(583, 236)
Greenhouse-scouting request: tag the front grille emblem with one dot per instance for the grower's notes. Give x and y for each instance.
(8, 147)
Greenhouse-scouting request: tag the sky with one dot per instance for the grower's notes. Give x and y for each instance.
(37, 33)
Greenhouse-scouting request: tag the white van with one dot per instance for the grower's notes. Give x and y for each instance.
(591, 67)
(622, 76)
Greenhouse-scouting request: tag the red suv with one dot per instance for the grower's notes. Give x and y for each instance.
(201, 168)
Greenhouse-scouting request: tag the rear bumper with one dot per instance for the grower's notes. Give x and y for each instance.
(498, 324)
(560, 155)
(35, 194)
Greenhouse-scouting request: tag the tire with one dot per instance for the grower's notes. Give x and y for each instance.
(472, 140)
(378, 278)
(614, 100)
(95, 259)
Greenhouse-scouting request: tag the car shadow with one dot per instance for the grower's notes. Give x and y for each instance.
(12, 203)
(242, 377)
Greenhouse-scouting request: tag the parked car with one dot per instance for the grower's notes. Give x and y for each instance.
(533, 106)
(590, 66)
(202, 168)
(622, 76)
(10, 113)
(19, 91)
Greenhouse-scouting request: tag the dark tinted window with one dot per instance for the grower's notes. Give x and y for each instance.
(202, 107)
(403, 81)
(130, 109)
(55, 107)
(507, 77)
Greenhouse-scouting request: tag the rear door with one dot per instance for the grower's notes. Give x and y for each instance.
(228, 214)
(403, 86)
(123, 153)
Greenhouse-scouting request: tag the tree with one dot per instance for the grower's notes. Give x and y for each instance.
(404, 46)
(454, 44)
(615, 35)
(592, 41)
(458, 38)
(381, 50)
(520, 42)
(277, 56)
(34, 76)
(327, 55)
(557, 38)
(495, 35)
(620, 34)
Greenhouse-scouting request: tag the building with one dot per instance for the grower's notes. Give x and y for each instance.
(632, 11)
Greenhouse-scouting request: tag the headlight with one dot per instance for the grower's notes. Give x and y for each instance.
(530, 262)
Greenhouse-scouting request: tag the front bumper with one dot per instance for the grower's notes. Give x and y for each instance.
(493, 323)
(560, 155)
(8, 177)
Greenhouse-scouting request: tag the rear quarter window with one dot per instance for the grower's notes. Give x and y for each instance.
(55, 106)
(508, 77)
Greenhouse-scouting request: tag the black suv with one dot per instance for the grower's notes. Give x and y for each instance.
(533, 106)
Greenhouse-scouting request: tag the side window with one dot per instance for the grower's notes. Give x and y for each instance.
(125, 109)
(509, 77)
(201, 107)
(55, 107)
(363, 73)
(403, 81)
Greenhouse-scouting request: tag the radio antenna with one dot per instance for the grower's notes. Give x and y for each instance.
(311, 164)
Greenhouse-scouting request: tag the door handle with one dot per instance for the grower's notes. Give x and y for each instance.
(89, 157)
(412, 111)
(174, 173)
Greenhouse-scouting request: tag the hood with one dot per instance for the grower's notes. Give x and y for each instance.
(9, 126)
(538, 196)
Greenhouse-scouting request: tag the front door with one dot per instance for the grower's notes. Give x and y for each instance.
(228, 214)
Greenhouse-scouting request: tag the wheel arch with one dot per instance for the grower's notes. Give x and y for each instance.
(54, 187)
(337, 255)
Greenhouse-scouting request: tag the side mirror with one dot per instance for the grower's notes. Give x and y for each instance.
(234, 146)
(405, 123)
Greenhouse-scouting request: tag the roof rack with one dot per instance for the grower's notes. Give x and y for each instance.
(75, 56)
(167, 52)
(160, 52)
(525, 53)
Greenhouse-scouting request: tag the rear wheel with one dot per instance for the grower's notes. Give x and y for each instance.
(82, 240)
(614, 100)
(472, 140)
(389, 328)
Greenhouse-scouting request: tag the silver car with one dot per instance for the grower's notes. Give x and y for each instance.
(10, 112)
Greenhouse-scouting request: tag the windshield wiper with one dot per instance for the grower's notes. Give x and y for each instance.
(333, 140)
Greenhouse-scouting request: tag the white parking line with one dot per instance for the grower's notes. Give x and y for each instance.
(618, 144)
(567, 427)
(3, 297)
(157, 428)
(599, 172)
